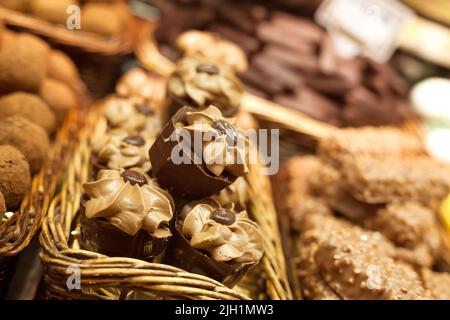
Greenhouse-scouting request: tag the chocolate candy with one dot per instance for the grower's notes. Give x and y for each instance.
(208, 68)
(134, 177)
(223, 216)
(144, 109)
(137, 141)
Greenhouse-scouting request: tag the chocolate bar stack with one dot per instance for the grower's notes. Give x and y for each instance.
(293, 62)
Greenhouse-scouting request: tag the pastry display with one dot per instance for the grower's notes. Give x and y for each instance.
(139, 203)
(363, 217)
(15, 179)
(224, 153)
(125, 213)
(220, 243)
(300, 58)
(198, 83)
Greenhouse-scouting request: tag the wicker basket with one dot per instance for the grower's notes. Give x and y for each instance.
(103, 277)
(17, 232)
(99, 59)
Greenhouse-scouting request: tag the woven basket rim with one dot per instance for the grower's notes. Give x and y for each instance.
(82, 40)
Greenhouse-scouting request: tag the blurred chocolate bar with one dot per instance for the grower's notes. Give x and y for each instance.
(293, 61)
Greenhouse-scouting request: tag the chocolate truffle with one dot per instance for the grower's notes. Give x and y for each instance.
(127, 214)
(103, 19)
(28, 138)
(28, 106)
(211, 47)
(52, 10)
(204, 148)
(15, 178)
(62, 68)
(59, 97)
(199, 83)
(23, 65)
(217, 242)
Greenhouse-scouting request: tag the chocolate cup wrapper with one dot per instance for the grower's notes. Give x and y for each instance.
(176, 103)
(181, 254)
(185, 180)
(100, 236)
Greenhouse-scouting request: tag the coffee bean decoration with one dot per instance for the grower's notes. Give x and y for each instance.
(134, 177)
(144, 109)
(223, 216)
(208, 68)
(136, 140)
(224, 128)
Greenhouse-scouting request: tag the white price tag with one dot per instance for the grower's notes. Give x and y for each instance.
(371, 25)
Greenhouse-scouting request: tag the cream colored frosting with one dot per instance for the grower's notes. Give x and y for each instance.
(227, 150)
(237, 241)
(212, 48)
(200, 83)
(128, 205)
(118, 149)
(234, 194)
(124, 114)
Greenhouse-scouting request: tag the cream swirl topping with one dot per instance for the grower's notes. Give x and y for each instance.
(225, 235)
(201, 84)
(118, 149)
(127, 115)
(212, 48)
(225, 148)
(131, 201)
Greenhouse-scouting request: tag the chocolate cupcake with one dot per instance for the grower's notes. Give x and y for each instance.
(211, 47)
(125, 114)
(125, 213)
(117, 149)
(219, 243)
(198, 84)
(212, 153)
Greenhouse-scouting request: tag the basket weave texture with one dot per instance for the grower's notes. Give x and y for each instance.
(103, 277)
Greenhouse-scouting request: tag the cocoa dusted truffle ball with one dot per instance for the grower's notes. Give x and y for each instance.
(51, 10)
(101, 18)
(28, 106)
(62, 68)
(59, 97)
(15, 178)
(23, 65)
(27, 137)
